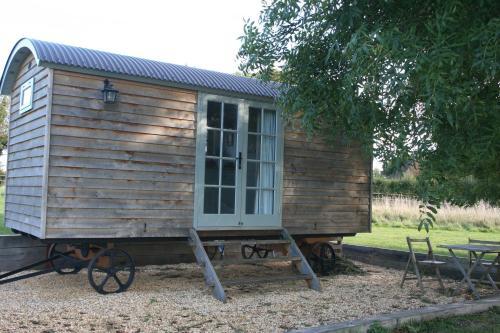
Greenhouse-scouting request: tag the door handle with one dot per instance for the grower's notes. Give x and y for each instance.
(239, 160)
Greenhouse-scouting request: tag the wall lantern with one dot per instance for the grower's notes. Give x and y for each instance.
(108, 93)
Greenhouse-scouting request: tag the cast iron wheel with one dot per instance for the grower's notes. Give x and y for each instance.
(111, 271)
(211, 251)
(322, 258)
(64, 264)
(248, 251)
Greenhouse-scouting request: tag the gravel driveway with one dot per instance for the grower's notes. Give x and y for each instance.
(173, 298)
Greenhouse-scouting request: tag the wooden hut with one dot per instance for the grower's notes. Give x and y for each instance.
(107, 146)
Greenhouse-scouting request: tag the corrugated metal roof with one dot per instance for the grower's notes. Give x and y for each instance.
(49, 53)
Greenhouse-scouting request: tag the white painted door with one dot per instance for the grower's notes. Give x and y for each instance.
(238, 165)
(262, 165)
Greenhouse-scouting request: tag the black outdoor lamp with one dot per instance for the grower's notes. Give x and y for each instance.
(108, 93)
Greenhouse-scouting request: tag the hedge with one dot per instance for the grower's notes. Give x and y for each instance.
(386, 186)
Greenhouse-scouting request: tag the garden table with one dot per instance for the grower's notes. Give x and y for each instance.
(474, 249)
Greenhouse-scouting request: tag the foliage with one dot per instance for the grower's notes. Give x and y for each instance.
(428, 211)
(347, 267)
(406, 186)
(395, 167)
(484, 322)
(410, 80)
(376, 327)
(4, 125)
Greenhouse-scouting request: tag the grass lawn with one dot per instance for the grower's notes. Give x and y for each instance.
(3, 230)
(485, 322)
(395, 238)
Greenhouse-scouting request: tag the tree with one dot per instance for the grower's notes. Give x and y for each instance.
(395, 168)
(4, 122)
(409, 80)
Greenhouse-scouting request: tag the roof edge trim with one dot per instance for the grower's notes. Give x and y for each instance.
(158, 82)
(12, 66)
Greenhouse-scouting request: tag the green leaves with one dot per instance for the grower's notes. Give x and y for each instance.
(410, 81)
(428, 212)
(4, 119)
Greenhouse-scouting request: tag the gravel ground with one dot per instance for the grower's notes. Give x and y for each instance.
(173, 298)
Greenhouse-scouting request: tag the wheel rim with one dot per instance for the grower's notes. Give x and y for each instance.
(64, 264)
(247, 251)
(322, 258)
(111, 271)
(262, 253)
(211, 251)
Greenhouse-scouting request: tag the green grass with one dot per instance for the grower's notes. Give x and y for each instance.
(395, 238)
(3, 229)
(484, 322)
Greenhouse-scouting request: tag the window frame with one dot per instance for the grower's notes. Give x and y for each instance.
(30, 84)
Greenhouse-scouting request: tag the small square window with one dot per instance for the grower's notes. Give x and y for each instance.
(26, 96)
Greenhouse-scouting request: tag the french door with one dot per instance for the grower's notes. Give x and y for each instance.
(238, 164)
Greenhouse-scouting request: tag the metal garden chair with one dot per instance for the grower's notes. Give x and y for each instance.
(430, 261)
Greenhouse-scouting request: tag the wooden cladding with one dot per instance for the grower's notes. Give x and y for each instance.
(23, 197)
(79, 168)
(122, 170)
(326, 188)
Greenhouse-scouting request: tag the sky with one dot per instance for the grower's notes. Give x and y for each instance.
(195, 33)
(201, 34)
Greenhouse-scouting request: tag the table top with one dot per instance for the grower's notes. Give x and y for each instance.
(473, 247)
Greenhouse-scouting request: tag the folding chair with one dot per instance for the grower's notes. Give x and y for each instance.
(484, 262)
(429, 261)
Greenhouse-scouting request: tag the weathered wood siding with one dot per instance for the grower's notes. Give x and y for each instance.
(23, 199)
(122, 170)
(326, 188)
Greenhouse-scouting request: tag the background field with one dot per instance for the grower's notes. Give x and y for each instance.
(395, 217)
(399, 211)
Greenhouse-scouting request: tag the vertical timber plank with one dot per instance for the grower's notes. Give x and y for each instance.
(46, 156)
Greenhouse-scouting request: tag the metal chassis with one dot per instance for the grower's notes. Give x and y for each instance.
(84, 242)
(4, 278)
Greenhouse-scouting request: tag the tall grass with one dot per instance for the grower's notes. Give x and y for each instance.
(403, 212)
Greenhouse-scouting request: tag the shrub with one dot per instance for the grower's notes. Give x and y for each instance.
(406, 186)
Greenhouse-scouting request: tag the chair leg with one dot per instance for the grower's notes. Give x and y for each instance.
(438, 273)
(406, 272)
(419, 278)
(486, 273)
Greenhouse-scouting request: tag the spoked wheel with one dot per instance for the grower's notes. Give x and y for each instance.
(212, 251)
(322, 258)
(64, 264)
(248, 251)
(111, 271)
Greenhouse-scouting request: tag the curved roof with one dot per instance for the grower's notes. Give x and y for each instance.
(79, 59)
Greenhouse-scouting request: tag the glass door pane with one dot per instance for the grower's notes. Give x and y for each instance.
(220, 158)
(261, 162)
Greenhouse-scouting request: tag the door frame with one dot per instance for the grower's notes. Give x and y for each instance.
(200, 137)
